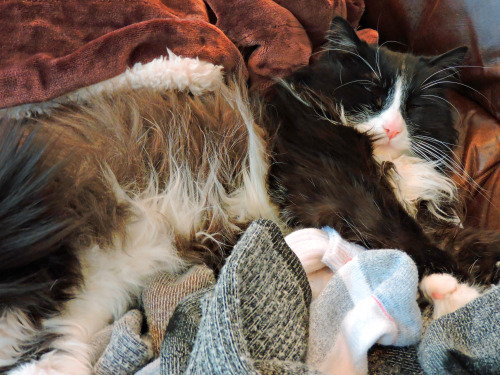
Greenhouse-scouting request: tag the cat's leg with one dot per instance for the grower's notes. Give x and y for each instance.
(112, 279)
(478, 253)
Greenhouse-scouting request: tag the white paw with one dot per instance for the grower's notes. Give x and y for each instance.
(446, 293)
(438, 285)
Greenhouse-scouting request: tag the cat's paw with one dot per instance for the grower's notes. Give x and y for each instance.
(446, 293)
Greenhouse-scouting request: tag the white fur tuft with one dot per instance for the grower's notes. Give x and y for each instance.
(418, 180)
(252, 200)
(162, 74)
(15, 328)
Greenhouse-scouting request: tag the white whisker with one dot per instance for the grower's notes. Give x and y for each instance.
(456, 67)
(464, 85)
(452, 164)
(356, 81)
(437, 81)
(355, 230)
(446, 101)
(453, 68)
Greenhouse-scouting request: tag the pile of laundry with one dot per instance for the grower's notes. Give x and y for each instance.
(317, 310)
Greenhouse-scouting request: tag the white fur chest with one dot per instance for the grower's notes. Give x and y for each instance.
(415, 180)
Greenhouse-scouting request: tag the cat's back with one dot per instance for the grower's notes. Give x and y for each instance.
(194, 166)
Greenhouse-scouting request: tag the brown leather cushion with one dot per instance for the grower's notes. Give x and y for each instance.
(432, 27)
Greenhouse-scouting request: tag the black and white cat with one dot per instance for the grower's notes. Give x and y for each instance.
(97, 197)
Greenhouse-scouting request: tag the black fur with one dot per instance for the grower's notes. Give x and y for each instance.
(37, 266)
(325, 174)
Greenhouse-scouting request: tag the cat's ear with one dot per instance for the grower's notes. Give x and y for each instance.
(450, 59)
(342, 37)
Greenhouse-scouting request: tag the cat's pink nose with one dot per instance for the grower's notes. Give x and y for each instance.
(394, 127)
(391, 133)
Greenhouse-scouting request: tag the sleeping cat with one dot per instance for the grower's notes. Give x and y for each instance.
(96, 198)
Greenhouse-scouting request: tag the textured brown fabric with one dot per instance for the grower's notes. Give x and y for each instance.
(164, 292)
(282, 45)
(52, 47)
(433, 27)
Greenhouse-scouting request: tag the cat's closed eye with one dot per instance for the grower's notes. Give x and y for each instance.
(413, 106)
(367, 86)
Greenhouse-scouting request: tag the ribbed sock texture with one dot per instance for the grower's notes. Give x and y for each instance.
(339, 251)
(181, 334)
(321, 252)
(99, 343)
(466, 341)
(256, 318)
(319, 247)
(127, 351)
(309, 245)
(164, 291)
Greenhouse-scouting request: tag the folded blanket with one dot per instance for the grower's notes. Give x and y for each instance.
(51, 48)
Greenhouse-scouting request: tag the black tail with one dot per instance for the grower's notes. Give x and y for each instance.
(37, 263)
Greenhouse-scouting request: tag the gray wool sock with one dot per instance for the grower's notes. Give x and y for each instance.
(256, 318)
(181, 334)
(99, 343)
(466, 341)
(152, 368)
(164, 291)
(127, 351)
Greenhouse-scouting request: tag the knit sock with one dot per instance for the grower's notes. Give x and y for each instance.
(127, 351)
(181, 334)
(317, 249)
(99, 343)
(309, 245)
(339, 251)
(256, 318)
(152, 368)
(372, 299)
(164, 291)
(466, 341)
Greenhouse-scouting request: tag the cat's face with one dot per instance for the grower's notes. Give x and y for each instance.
(398, 99)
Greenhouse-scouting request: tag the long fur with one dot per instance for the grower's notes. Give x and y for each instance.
(158, 179)
(100, 195)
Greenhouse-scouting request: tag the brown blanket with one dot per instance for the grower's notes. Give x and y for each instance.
(49, 48)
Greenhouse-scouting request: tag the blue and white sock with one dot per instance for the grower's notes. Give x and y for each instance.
(319, 247)
(321, 252)
(316, 248)
(372, 299)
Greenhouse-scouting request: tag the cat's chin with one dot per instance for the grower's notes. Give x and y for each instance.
(388, 151)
